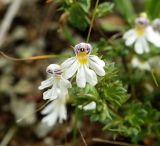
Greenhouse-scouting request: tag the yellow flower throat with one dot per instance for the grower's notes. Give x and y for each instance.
(82, 57)
(140, 30)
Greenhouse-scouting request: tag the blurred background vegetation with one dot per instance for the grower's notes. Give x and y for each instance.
(130, 97)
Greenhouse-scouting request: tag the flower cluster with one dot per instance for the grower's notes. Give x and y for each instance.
(85, 66)
(142, 33)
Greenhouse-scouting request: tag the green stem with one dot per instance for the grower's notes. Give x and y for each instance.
(92, 20)
(154, 78)
(74, 143)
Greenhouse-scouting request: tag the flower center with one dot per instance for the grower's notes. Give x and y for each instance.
(140, 30)
(82, 57)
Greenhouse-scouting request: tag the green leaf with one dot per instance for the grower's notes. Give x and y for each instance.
(104, 8)
(85, 4)
(125, 8)
(78, 17)
(152, 8)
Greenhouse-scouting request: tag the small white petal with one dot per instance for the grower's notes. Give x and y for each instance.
(152, 36)
(47, 94)
(90, 106)
(51, 93)
(136, 63)
(54, 111)
(71, 70)
(139, 46)
(67, 63)
(80, 78)
(131, 39)
(62, 114)
(50, 119)
(145, 45)
(90, 76)
(97, 68)
(47, 83)
(128, 33)
(47, 109)
(65, 83)
(97, 60)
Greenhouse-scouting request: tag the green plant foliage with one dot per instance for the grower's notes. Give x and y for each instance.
(126, 9)
(152, 8)
(78, 16)
(104, 8)
(126, 97)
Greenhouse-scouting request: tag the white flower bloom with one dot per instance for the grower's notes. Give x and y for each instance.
(86, 66)
(54, 111)
(140, 35)
(90, 106)
(59, 84)
(156, 25)
(136, 63)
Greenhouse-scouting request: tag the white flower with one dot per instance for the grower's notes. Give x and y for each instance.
(59, 84)
(54, 111)
(136, 63)
(86, 66)
(156, 25)
(90, 106)
(140, 35)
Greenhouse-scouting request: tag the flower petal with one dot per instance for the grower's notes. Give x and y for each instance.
(80, 78)
(65, 83)
(47, 94)
(136, 63)
(131, 39)
(62, 113)
(50, 119)
(67, 63)
(47, 109)
(47, 83)
(145, 45)
(97, 60)
(71, 70)
(90, 76)
(139, 46)
(128, 33)
(54, 111)
(97, 68)
(90, 106)
(152, 36)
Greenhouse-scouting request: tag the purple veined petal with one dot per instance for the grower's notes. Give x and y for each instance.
(77, 48)
(141, 21)
(52, 68)
(85, 46)
(97, 60)
(156, 24)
